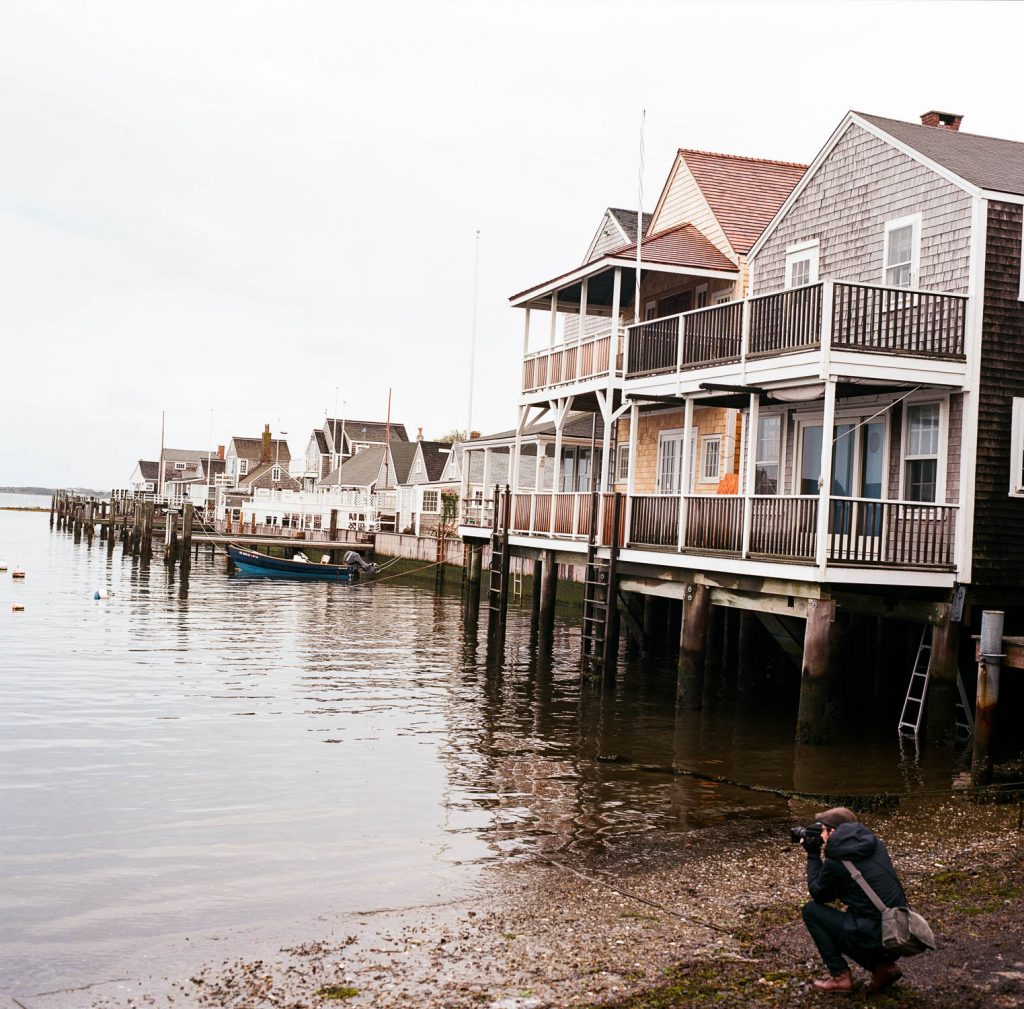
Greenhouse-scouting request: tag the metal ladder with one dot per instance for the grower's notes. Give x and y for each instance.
(917, 692)
(497, 586)
(516, 585)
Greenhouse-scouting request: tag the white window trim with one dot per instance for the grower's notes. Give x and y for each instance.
(915, 248)
(1020, 293)
(697, 292)
(275, 473)
(685, 486)
(650, 310)
(180, 466)
(704, 478)
(1017, 448)
(809, 250)
(243, 467)
(722, 297)
(783, 427)
(623, 457)
(943, 454)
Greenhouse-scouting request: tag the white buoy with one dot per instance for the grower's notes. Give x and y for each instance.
(106, 594)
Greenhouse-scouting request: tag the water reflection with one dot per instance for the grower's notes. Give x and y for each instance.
(206, 753)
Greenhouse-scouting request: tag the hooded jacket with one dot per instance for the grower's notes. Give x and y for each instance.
(830, 880)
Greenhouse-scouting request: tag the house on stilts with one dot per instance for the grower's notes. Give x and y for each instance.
(809, 387)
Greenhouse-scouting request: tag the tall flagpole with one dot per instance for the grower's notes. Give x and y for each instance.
(472, 335)
(639, 218)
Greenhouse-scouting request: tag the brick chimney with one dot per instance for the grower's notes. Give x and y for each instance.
(220, 451)
(419, 434)
(942, 120)
(265, 453)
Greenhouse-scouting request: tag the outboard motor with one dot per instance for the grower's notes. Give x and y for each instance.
(357, 561)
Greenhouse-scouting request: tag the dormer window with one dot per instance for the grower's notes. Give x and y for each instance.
(902, 250)
(179, 466)
(243, 467)
(275, 473)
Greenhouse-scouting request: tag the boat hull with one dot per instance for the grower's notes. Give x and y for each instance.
(257, 565)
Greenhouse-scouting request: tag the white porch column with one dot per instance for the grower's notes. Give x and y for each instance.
(828, 424)
(526, 334)
(613, 344)
(486, 485)
(524, 412)
(554, 317)
(604, 401)
(634, 423)
(685, 465)
(584, 295)
(750, 468)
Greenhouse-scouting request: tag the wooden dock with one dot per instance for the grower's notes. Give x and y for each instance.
(249, 540)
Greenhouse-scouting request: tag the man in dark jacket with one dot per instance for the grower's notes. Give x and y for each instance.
(857, 931)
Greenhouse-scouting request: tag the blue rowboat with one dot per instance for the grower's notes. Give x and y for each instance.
(249, 562)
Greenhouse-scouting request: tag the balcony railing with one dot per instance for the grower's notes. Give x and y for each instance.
(567, 363)
(861, 317)
(859, 531)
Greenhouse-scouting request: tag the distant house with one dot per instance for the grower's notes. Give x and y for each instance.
(200, 484)
(341, 438)
(260, 462)
(144, 477)
(430, 477)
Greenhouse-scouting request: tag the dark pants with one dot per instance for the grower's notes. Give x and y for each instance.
(836, 933)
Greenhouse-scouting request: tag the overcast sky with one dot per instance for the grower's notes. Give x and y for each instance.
(240, 207)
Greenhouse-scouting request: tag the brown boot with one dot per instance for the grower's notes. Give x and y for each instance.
(840, 984)
(882, 976)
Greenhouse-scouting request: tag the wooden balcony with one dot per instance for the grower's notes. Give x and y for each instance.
(568, 364)
(859, 532)
(861, 318)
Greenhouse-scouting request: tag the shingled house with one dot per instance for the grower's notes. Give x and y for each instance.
(339, 439)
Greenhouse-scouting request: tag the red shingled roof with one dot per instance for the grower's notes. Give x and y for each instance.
(743, 193)
(682, 245)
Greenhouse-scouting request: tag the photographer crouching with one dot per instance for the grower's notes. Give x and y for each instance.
(856, 932)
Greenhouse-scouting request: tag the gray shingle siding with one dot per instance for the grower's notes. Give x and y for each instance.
(862, 184)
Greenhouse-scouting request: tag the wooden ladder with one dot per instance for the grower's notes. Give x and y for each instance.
(600, 606)
(497, 586)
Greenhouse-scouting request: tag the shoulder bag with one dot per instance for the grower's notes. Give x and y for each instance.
(904, 932)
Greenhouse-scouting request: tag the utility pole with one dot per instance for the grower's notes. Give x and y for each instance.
(472, 334)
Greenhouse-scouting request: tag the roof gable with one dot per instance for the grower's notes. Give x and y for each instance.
(617, 228)
(683, 245)
(361, 470)
(985, 162)
(743, 193)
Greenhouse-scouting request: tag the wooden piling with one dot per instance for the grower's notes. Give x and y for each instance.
(185, 551)
(692, 646)
(148, 514)
(170, 538)
(473, 563)
(819, 637)
(990, 651)
(548, 594)
(53, 506)
(942, 688)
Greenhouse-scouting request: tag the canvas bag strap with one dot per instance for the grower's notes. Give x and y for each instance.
(865, 886)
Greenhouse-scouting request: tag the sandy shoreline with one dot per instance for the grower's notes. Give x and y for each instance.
(539, 934)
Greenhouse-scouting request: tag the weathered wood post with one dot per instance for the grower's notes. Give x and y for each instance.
(990, 660)
(90, 520)
(53, 506)
(819, 636)
(548, 594)
(146, 547)
(170, 538)
(103, 521)
(692, 646)
(611, 627)
(474, 563)
(77, 524)
(537, 580)
(112, 526)
(942, 689)
(186, 536)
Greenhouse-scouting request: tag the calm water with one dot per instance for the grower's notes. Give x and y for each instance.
(250, 755)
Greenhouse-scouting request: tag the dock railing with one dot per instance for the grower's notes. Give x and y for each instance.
(591, 356)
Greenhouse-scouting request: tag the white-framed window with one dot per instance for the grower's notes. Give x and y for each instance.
(651, 310)
(179, 466)
(710, 457)
(622, 470)
(700, 296)
(275, 473)
(721, 297)
(768, 454)
(902, 252)
(802, 263)
(670, 462)
(243, 467)
(922, 431)
(417, 466)
(149, 486)
(1017, 448)
(431, 499)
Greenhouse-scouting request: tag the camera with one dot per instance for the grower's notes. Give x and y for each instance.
(798, 835)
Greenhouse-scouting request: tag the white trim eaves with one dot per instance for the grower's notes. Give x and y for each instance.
(667, 188)
(916, 155)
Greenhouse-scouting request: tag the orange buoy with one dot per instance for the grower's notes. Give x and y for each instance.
(17, 607)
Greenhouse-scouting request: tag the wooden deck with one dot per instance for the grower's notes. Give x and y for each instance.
(248, 540)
